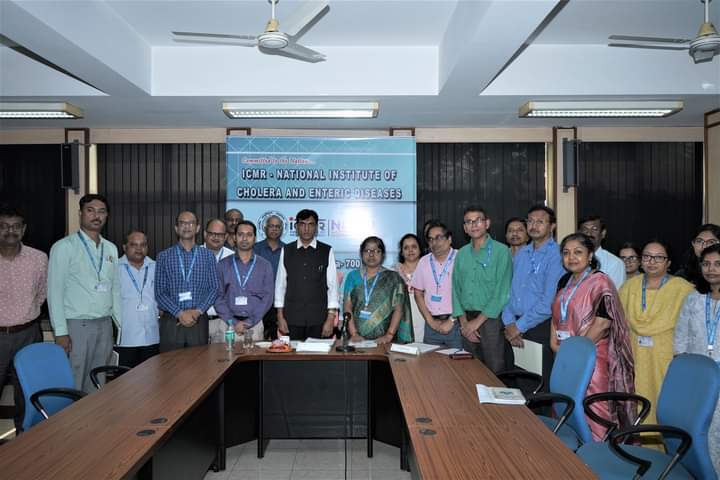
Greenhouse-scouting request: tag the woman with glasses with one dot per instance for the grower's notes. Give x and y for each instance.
(587, 304)
(697, 330)
(652, 303)
(628, 253)
(706, 235)
(377, 299)
(408, 259)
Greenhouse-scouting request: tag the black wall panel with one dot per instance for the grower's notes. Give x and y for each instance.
(504, 178)
(643, 190)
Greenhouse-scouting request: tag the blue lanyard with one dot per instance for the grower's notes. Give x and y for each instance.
(711, 326)
(565, 303)
(97, 268)
(237, 272)
(134, 282)
(534, 267)
(439, 280)
(644, 288)
(186, 277)
(488, 258)
(368, 293)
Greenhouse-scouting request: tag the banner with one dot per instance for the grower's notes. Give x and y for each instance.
(359, 187)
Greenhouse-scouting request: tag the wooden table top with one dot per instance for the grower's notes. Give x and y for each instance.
(96, 436)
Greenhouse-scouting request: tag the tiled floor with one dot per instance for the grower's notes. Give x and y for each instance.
(312, 460)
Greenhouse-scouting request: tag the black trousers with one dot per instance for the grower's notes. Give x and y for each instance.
(10, 344)
(134, 356)
(540, 334)
(174, 335)
(270, 324)
(301, 332)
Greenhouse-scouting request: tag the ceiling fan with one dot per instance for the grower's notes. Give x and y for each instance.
(702, 48)
(272, 40)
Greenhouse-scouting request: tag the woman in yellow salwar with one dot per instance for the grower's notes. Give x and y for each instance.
(377, 299)
(652, 304)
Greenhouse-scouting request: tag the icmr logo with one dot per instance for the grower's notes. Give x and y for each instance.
(264, 218)
(322, 227)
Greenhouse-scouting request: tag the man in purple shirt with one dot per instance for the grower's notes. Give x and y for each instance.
(247, 284)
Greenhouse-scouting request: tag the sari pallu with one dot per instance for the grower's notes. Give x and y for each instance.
(614, 367)
(389, 291)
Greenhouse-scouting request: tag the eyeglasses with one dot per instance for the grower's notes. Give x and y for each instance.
(630, 258)
(216, 234)
(653, 258)
(437, 238)
(372, 251)
(539, 222)
(700, 242)
(475, 222)
(15, 227)
(707, 264)
(590, 228)
(183, 223)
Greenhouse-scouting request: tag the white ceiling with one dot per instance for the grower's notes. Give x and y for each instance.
(430, 63)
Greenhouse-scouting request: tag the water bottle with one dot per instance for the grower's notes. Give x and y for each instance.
(229, 338)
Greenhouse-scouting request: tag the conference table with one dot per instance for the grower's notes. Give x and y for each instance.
(174, 416)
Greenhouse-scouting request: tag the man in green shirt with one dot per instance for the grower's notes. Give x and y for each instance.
(83, 293)
(481, 288)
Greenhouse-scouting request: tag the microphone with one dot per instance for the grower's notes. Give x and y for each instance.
(344, 334)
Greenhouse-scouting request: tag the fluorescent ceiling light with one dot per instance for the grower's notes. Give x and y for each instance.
(599, 109)
(39, 110)
(301, 110)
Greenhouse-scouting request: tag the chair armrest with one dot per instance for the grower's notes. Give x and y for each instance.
(115, 370)
(70, 393)
(518, 373)
(554, 398)
(615, 396)
(644, 465)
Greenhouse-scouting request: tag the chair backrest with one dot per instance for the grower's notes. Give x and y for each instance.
(687, 400)
(40, 366)
(571, 373)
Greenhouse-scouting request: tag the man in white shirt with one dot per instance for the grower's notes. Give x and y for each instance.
(139, 330)
(215, 235)
(594, 227)
(306, 292)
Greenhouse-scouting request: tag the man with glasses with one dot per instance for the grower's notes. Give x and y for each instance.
(23, 288)
(186, 285)
(432, 282)
(232, 218)
(306, 294)
(247, 285)
(594, 227)
(537, 268)
(83, 293)
(215, 235)
(481, 286)
(270, 250)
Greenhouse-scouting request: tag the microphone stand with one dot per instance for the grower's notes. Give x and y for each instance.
(344, 335)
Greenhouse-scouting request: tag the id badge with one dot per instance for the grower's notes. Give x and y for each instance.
(645, 341)
(365, 315)
(185, 296)
(562, 335)
(436, 298)
(141, 307)
(241, 300)
(102, 287)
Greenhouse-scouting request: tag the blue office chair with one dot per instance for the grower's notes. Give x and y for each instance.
(113, 371)
(685, 408)
(43, 370)
(569, 379)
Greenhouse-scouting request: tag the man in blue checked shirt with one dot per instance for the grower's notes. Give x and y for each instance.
(186, 285)
(537, 268)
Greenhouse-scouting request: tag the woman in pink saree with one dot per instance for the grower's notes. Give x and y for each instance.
(587, 304)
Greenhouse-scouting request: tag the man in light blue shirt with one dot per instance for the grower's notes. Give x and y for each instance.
(139, 328)
(612, 266)
(537, 267)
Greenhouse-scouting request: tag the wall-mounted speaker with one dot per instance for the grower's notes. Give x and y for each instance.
(570, 149)
(70, 166)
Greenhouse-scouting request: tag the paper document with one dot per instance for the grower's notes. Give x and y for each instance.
(530, 357)
(329, 341)
(313, 347)
(500, 395)
(452, 351)
(364, 344)
(414, 348)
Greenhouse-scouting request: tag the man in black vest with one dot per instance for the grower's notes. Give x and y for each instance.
(306, 293)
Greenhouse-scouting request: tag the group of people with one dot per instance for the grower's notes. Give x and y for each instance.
(485, 297)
